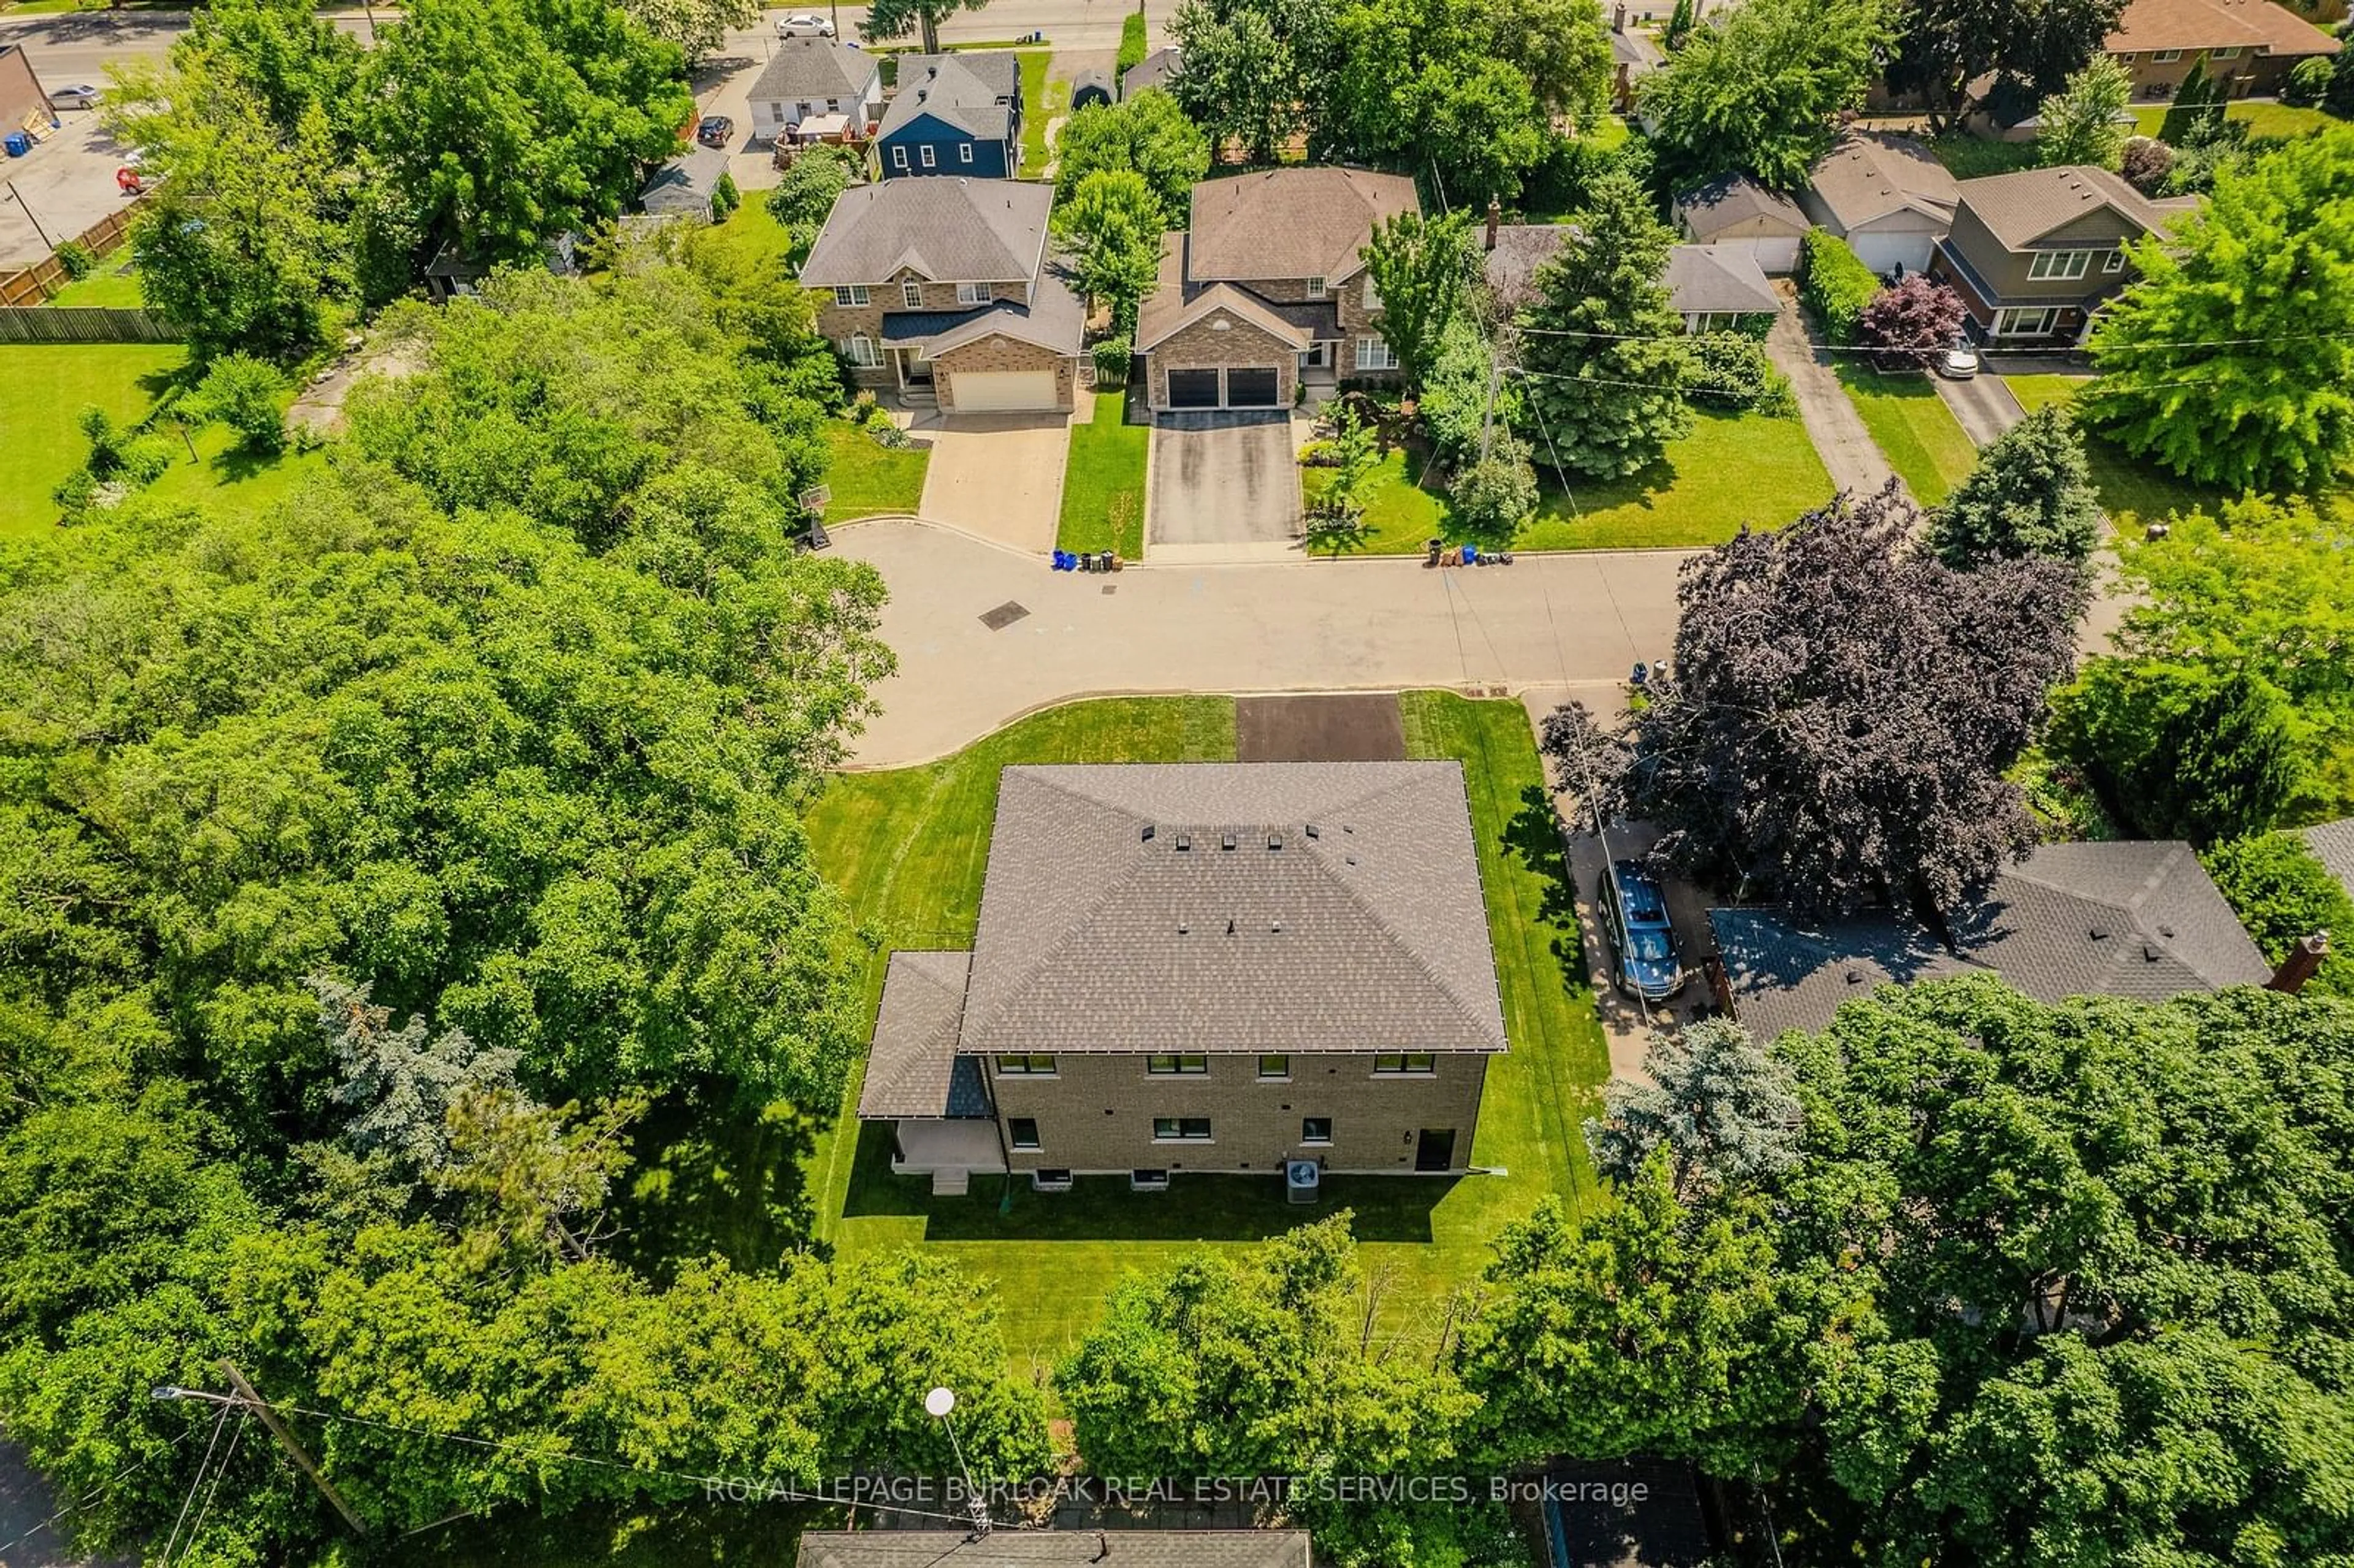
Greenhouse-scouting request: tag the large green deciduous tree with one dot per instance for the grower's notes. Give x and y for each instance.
(2231, 359)
(1604, 348)
(1422, 271)
(887, 19)
(1148, 134)
(2179, 751)
(2080, 124)
(1941, 48)
(1759, 89)
(1111, 226)
(2283, 894)
(1254, 69)
(697, 27)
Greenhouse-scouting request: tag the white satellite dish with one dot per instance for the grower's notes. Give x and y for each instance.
(940, 1401)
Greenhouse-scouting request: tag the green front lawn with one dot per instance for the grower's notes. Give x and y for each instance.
(1913, 430)
(2265, 122)
(869, 479)
(2129, 486)
(45, 387)
(909, 846)
(1103, 481)
(1041, 101)
(1731, 468)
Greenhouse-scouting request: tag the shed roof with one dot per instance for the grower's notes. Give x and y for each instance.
(1289, 223)
(686, 184)
(1717, 280)
(1731, 199)
(948, 229)
(1304, 908)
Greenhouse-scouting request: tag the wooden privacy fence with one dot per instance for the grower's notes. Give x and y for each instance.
(52, 324)
(31, 285)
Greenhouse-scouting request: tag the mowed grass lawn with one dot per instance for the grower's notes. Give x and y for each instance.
(115, 286)
(869, 479)
(2130, 487)
(1913, 430)
(2265, 122)
(1103, 480)
(1041, 101)
(1730, 469)
(44, 388)
(910, 847)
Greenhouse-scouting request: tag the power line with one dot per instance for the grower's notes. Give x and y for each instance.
(1866, 348)
(194, 1482)
(104, 1488)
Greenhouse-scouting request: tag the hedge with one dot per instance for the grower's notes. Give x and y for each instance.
(1131, 45)
(1835, 283)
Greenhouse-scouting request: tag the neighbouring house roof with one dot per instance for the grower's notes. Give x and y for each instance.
(1731, 199)
(1714, 280)
(950, 230)
(1868, 176)
(2285, 31)
(2333, 844)
(913, 1069)
(686, 184)
(2191, 25)
(2022, 207)
(1702, 279)
(804, 70)
(1346, 916)
(1096, 82)
(2133, 919)
(1055, 319)
(1006, 1548)
(1289, 223)
(1635, 51)
(1175, 305)
(961, 90)
(1154, 69)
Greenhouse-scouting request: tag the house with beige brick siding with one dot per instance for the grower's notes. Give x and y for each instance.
(1268, 287)
(1236, 968)
(2251, 46)
(947, 291)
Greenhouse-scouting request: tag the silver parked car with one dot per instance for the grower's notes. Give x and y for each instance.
(1958, 363)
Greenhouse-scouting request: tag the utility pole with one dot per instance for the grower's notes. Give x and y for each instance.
(36, 222)
(245, 1398)
(1488, 420)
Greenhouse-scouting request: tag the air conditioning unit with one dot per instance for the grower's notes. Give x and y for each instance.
(1050, 1180)
(1300, 1178)
(1148, 1180)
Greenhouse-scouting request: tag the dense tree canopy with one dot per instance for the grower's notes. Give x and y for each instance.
(1150, 136)
(1759, 89)
(2282, 895)
(1423, 271)
(2179, 751)
(1942, 47)
(2029, 494)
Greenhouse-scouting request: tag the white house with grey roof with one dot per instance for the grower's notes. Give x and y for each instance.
(810, 78)
(1210, 966)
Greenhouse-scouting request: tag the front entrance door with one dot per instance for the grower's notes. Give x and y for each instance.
(915, 368)
(1435, 1149)
(1319, 355)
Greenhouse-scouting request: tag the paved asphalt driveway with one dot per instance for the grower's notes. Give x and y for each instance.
(1223, 479)
(997, 475)
(1983, 406)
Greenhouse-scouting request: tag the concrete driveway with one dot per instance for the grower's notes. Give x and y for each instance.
(997, 475)
(1983, 406)
(1847, 448)
(67, 181)
(1223, 479)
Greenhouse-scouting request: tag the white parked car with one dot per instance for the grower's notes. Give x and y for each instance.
(1958, 363)
(805, 24)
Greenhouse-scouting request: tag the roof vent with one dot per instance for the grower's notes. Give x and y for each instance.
(2167, 932)
(1148, 833)
(1310, 830)
(1277, 927)
(1225, 841)
(1183, 926)
(1350, 859)
(1274, 840)
(2099, 933)
(1230, 925)
(1185, 841)
(1855, 977)
(2150, 953)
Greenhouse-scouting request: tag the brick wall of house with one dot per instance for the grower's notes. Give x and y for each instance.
(1204, 346)
(995, 353)
(1356, 321)
(1096, 1112)
(837, 322)
(2157, 80)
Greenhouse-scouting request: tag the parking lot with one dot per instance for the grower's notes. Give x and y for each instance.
(64, 186)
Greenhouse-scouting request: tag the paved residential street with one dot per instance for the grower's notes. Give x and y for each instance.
(1983, 405)
(1831, 421)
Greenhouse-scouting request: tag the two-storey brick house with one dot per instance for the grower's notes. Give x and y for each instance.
(953, 114)
(2249, 45)
(2034, 253)
(1212, 967)
(1267, 287)
(948, 290)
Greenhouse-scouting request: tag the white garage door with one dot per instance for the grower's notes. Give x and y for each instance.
(983, 391)
(1773, 255)
(1883, 253)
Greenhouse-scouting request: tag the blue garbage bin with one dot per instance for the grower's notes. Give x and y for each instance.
(18, 143)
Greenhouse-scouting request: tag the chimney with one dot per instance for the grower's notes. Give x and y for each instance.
(2303, 960)
(1619, 20)
(1495, 215)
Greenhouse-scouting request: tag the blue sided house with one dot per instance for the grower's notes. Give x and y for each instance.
(954, 114)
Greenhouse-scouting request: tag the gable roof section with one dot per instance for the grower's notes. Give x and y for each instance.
(2022, 207)
(1173, 305)
(1155, 70)
(807, 68)
(1867, 176)
(950, 230)
(2333, 844)
(1712, 280)
(686, 183)
(959, 90)
(1055, 319)
(1289, 223)
(1114, 917)
(1731, 199)
(2284, 31)
(1013, 1548)
(2258, 26)
(912, 1068)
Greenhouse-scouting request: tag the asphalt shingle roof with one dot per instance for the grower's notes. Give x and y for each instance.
(1175, 305)
(1114, 917)
(686, 183)
(2137, 918)
(2333, 843)
(2021, 208)
(950, 230)
(1866, 176)
(1005, 1548)
(1729, 199)
(912, 1068)
(804, 70)
(1155, 70)
(1289, 223)
(961, 90)
(1701, 278)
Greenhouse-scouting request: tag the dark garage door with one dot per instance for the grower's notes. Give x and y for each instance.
(1192, 388)
(1250, 388)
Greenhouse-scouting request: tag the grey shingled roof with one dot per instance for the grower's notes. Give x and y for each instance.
(1370, 935)
(1867, 174)
(2135, 919)
(1154, 69)
(686, 183)
(1003, 1547)
(1289, 223)
(1175, 305)
(2021, 208)
(1716, 279)
(804, 69)
(913, 1069)
(961, 90)
(951, 230)
(2333, 843)
(1729, 199)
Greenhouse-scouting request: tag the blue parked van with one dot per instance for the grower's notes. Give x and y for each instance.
(1643, 956)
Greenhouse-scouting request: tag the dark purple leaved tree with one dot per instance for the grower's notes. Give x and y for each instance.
(1843, 709)
(1908, 326)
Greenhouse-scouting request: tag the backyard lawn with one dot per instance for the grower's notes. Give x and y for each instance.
(115, 286)
(48, 386)
(2266, 121)
(909, 846)
(1731, 468)
(1968, 157)
(1103, 483)
(1041, 101)
(869, 479)
(1913, 430)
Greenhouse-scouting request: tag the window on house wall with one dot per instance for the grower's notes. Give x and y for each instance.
(911, 294)
(1316, 1130)
(1395, 1063)
(1177, 1063)
(964, 152)
(861, 353)
(850, 293)
(2059, 264)
(1021, 1131)
(1030, 1067)
(1372, 354)
(2114, 262)
(973, 293)
(2165, 56)
(899, 157)
(2030, 321)
(2128, 57)
(1275, 1066)
(931, 155)
(1373, 295)
(1180, 1129)
(1315, 288)
(2229, 52)
(834, 106)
